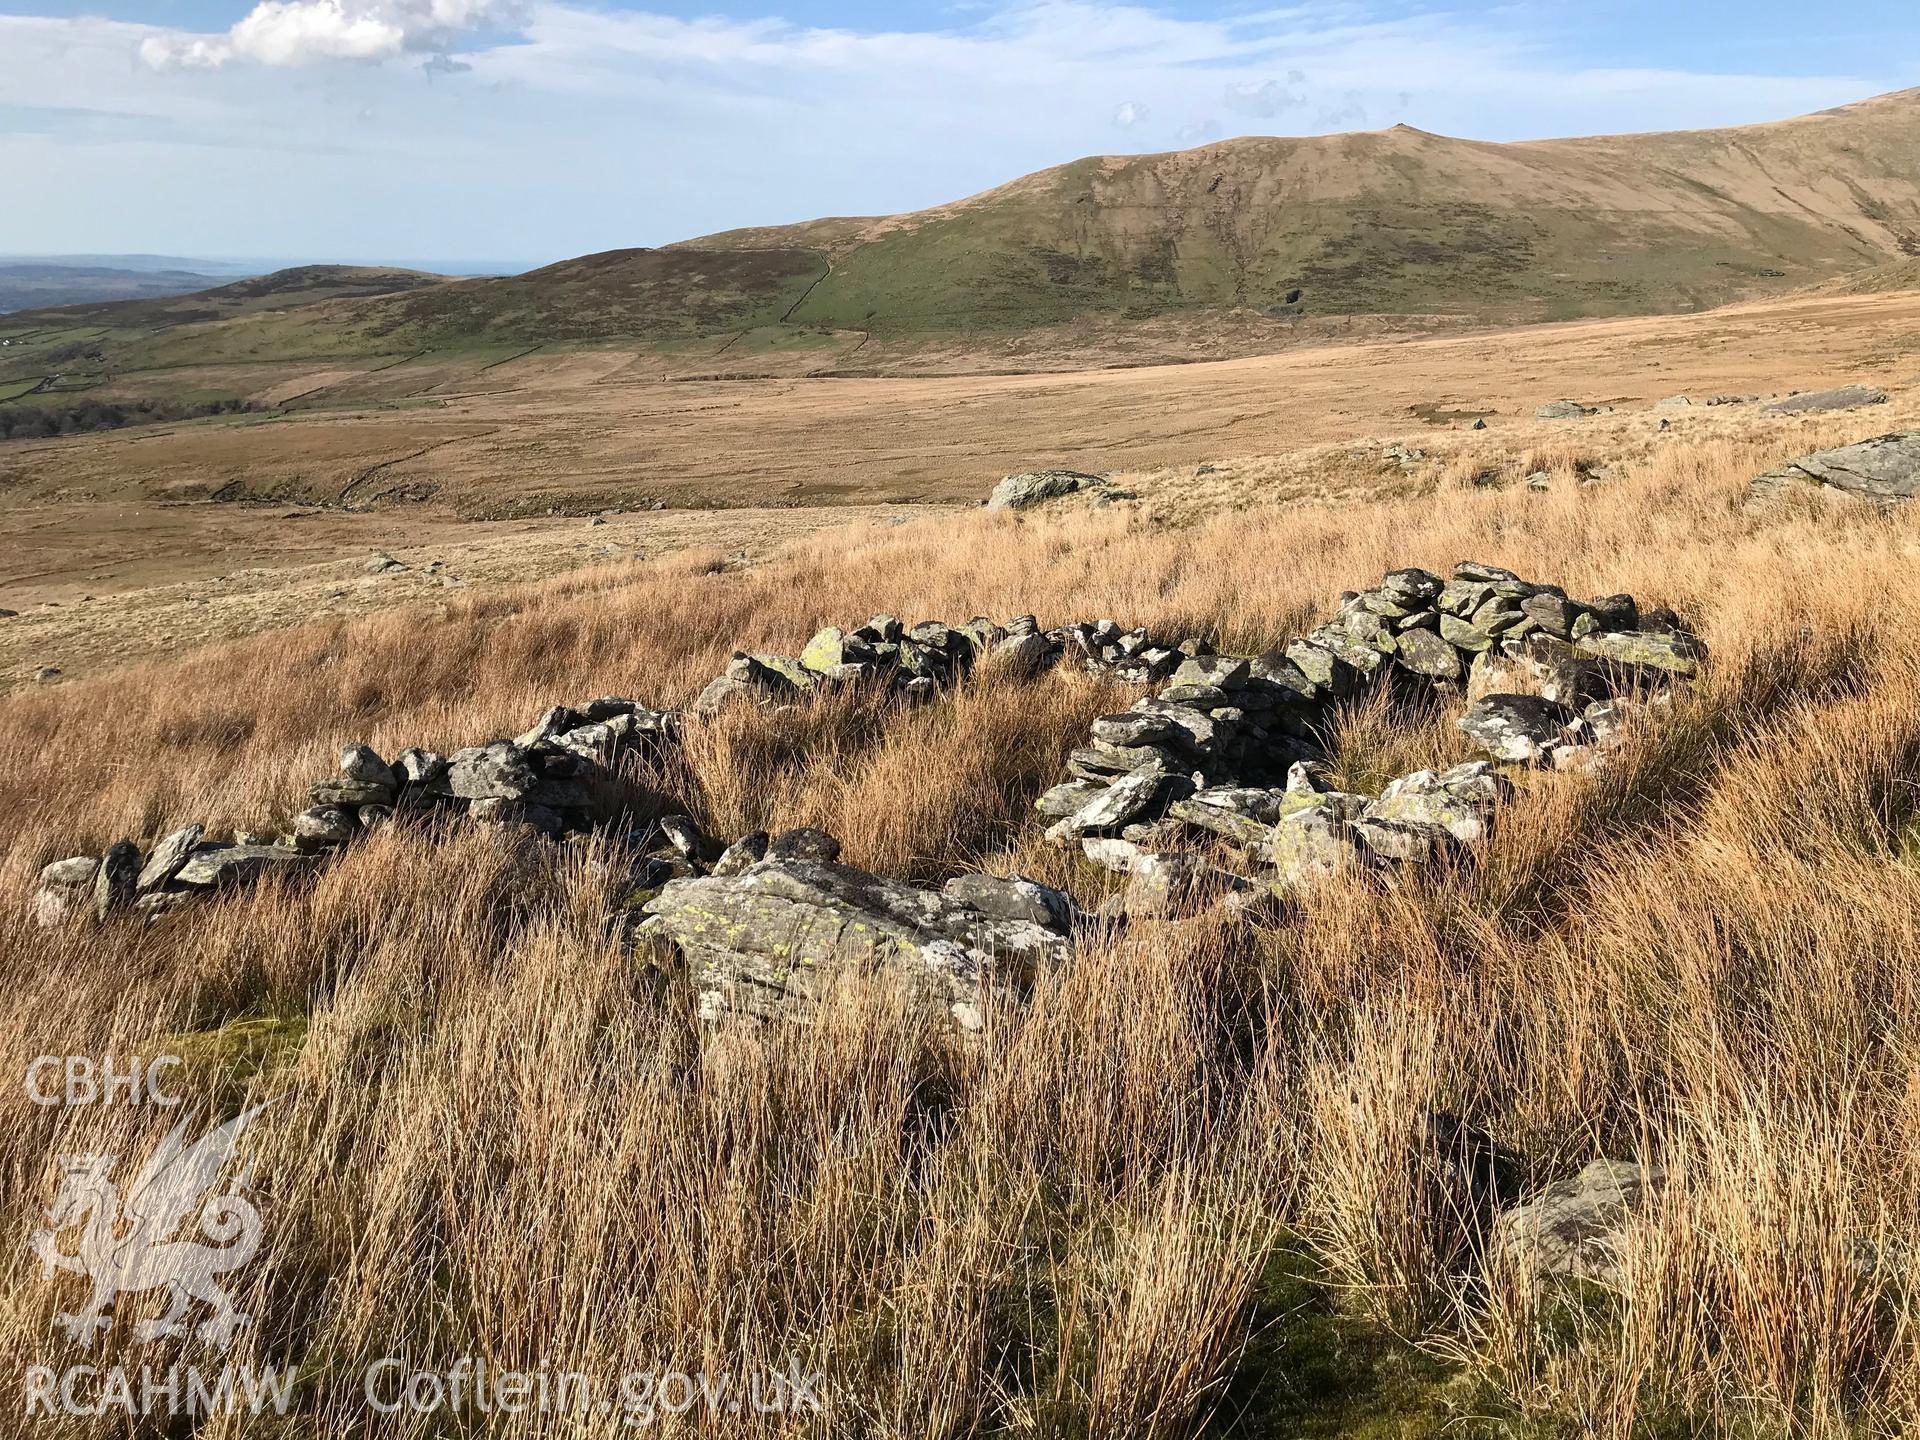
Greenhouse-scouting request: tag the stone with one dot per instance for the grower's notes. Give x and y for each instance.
(1133, 728)
(1885, 471)
(217, 866)
(420, 767)
(348, 793)
(167, 858)
(1460, 800)
(684, 836)
(1167, 883)
(1407, 842)
(114, 883)
(1111, 852)
(322, 827)
(1024, 656)
(64, 888)
(362, 766)
(776, 940)
(1463, 634)
(1675, 652)
(499, 771)
(1552, 612)
(1143, 793)
(1062, 800)
(1313, 839)
(1426, 653)
(1563, 410)
(749, 850)
(831, 648)
(552, 721)
(1019, 492)
(1472, 572)
(1614, 612)
(1574, 1228)
(380, 563)
(1222, 672)
(369, 818)
(722, 691)
(1013, 898)
(1521, 729)
(1846, 397)
(804, 842)
(1233, 825)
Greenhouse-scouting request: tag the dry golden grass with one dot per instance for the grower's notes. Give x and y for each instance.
(499, 1135)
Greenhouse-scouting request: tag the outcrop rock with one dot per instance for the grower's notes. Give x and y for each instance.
(1846, 397)
(1574, 1228)
(1018, 492)
(1885, 471)
(774, 940)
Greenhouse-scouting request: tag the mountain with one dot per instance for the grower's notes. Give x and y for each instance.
(1391, 222)
(1397, 223)
(33, 284)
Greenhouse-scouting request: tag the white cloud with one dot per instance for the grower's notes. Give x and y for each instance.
(1129, 114)
(302, 32)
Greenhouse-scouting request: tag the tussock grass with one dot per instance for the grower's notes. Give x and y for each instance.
(499, 1135)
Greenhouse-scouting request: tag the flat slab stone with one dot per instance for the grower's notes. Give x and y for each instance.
(1884, 470)
(1846, 397)
(214, 865)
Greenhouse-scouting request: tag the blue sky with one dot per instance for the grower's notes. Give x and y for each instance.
(537, 129)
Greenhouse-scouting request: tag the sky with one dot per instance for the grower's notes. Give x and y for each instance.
(517, 132)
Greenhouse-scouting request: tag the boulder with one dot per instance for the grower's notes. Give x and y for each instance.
(1017, 492)
(1885, 471)
(1846, 397)
(685, 837)
(1574, 1227)
(774, 941)
(1062, 800)
(167, 858)
(1522, 729)
(1563, 410)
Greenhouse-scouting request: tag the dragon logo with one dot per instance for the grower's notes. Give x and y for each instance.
(128, 1246)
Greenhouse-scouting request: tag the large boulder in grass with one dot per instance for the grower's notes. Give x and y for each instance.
(1846, 397)
(1885, 471)
(1035, 487)
(776, 939)
(1574, 1228)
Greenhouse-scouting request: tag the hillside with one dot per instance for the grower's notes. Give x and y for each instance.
(1394, 222)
